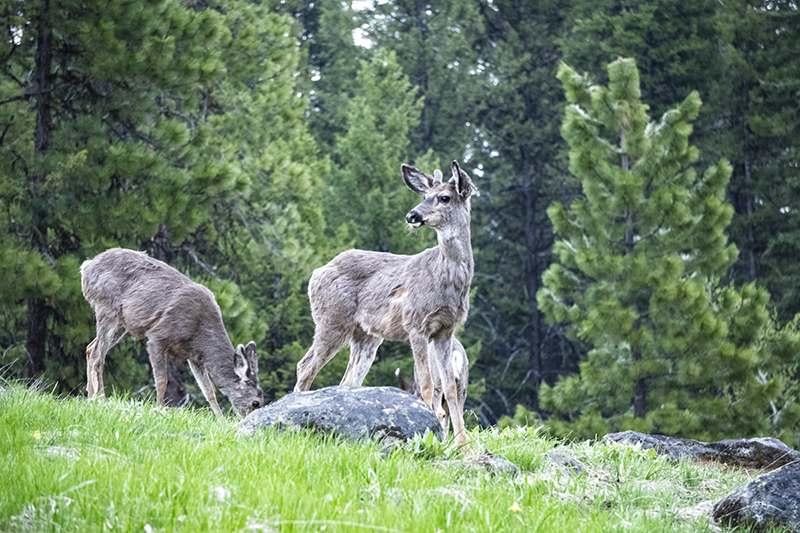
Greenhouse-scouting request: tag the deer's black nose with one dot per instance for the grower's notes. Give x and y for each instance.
(414, 218)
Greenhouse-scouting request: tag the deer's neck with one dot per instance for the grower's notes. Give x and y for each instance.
(455, 255)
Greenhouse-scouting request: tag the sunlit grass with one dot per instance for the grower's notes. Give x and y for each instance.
(122, 465)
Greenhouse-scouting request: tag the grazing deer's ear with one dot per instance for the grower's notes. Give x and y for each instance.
(437, 176)
(252, 357)
(464, 186)
(240, 366)
(416, 180)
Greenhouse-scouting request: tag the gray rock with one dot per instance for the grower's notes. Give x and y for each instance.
(772, 499)
(762, 453)
(382, 413)
(494, 463)
(676, 449)
(563, 460)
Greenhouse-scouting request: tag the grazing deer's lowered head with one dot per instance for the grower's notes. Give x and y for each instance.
(133, 293)
(361, 298)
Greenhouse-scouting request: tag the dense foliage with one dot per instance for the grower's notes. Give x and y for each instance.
(247, 143)
(639, 255)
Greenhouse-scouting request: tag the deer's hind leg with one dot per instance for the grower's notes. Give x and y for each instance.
(443, 346)
(363, 347)
(327, 343)
(109, 332)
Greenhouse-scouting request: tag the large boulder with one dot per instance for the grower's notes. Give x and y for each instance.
(761, 453)
(770, 500)
(357, 413)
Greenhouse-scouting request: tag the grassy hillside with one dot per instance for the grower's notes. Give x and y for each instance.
(70, 465)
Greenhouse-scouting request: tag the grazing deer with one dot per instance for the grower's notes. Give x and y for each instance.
(461, 371)
(361, 298)
(133, 293)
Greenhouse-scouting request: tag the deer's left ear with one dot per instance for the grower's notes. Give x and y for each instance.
(416, 180)
(464, 186)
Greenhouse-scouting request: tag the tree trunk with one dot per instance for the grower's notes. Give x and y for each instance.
(37, 336)
(176, 386)
(640, 388)
(38, 310)
(532, 280)
(421, 76)
(748, 180)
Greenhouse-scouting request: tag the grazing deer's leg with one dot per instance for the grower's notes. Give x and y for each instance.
(91, 384)
(362, 352)
(206, 386)
(422, 371)
(158, 360)
(441, 413)
(444, 360)
(109, 332)
(326, 345)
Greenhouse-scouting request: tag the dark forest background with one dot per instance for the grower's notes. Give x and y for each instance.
(247, 143)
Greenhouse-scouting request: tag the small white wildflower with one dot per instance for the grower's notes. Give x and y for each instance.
(222, 493)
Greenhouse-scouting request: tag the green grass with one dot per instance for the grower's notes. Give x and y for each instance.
(121, 465)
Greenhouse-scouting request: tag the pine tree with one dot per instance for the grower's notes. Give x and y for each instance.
(367, 195)
(756, 129)
(366, 200)
(125, 136)
(517, 154)
(436, 44)
(672, 352)
(673, 43)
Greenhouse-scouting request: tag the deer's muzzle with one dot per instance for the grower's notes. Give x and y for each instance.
(414, 219)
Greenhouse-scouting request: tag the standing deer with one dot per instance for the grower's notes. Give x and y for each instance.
(361, 298)
(133, 293)
(438, 404)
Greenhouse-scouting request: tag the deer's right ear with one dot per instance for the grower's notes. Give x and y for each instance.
(416, 180)
(240, 364)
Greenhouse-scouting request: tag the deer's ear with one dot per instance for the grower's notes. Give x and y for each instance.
(240, 365)
(464, 186)
(416, 180)
(252, 357)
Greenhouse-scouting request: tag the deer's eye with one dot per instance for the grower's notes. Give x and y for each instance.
(444, 199)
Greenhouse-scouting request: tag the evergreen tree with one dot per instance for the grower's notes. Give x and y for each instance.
(517, 150)
(673, 42)
(436, 44)
(334, 61)
(367, 198)
(756, 129)
(638, 255)
(123, 136)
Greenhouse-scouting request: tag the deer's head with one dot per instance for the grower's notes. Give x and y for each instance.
(446, 202)
(244, 392)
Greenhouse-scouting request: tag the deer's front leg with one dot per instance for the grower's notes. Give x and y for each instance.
(443, 348)
(158, 360)
(422, 370)
(206, 386)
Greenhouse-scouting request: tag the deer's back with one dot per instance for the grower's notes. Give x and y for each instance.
(384, 293)
(143, 293)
